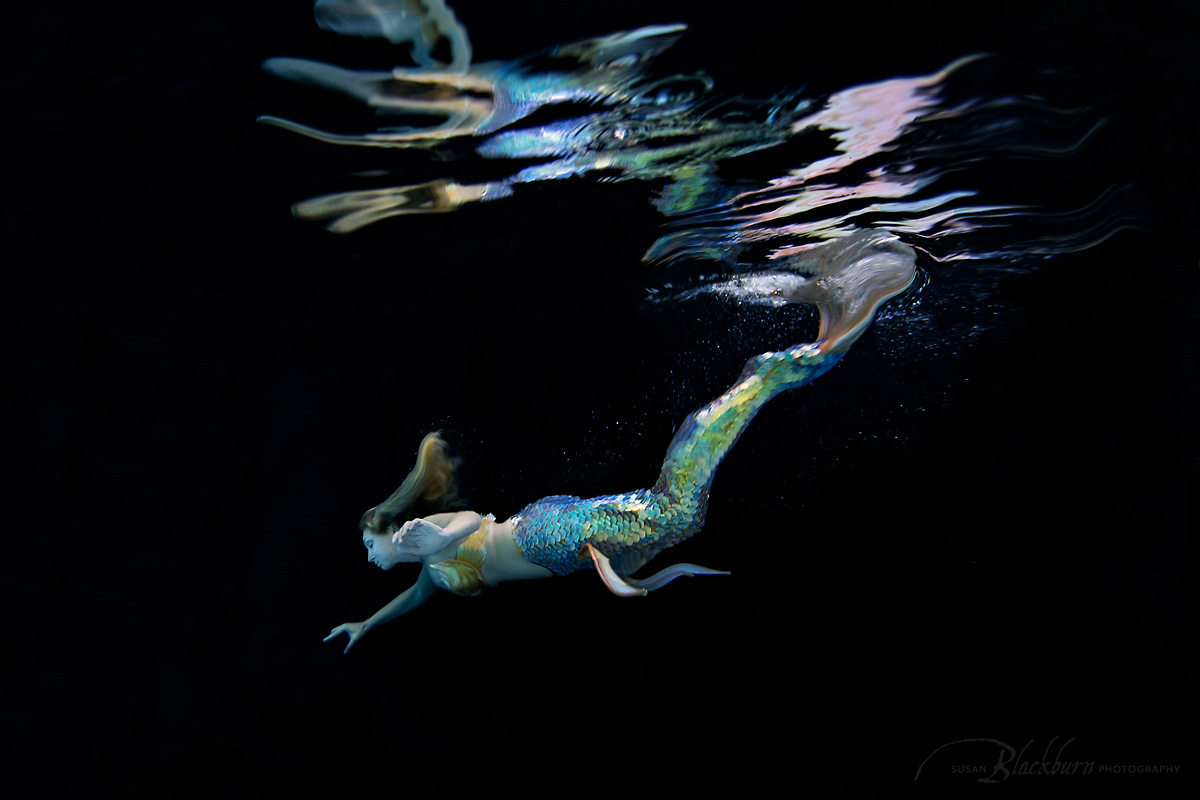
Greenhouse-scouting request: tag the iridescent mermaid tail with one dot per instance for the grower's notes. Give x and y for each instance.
(846, 279)
(479, 99)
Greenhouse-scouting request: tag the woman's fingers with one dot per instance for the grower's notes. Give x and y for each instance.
(353, 630)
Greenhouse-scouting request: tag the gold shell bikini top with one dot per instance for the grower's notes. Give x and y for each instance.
(464, 572)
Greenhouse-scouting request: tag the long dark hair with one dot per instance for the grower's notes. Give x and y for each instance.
(432, 485)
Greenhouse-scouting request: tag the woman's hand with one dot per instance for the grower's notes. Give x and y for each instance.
(420, 537)
(356, 630)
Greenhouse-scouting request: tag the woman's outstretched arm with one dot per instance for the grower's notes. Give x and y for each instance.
(406, 601)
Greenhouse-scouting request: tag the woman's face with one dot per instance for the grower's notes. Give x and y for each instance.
(382, 552)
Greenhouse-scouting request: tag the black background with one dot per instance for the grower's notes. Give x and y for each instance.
(204, 394)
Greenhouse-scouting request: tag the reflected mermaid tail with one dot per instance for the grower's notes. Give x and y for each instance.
(477, 99)
(847, 280)
(892, 145)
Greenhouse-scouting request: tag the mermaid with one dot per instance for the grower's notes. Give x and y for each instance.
(824, 234)
(464, 552)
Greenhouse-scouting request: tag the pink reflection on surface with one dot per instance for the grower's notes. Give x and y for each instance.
(864, 121)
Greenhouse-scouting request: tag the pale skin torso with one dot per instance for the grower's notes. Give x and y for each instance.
(431, 540)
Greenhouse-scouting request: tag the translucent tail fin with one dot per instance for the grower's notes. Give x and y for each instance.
(847, 280)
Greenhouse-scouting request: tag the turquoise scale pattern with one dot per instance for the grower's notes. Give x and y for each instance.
(632, 528)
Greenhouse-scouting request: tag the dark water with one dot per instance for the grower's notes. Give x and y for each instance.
(977, 526)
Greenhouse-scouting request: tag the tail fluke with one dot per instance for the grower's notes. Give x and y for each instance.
(633, 587)
(849, 278)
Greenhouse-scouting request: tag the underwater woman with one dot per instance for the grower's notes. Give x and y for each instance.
(463, 552)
